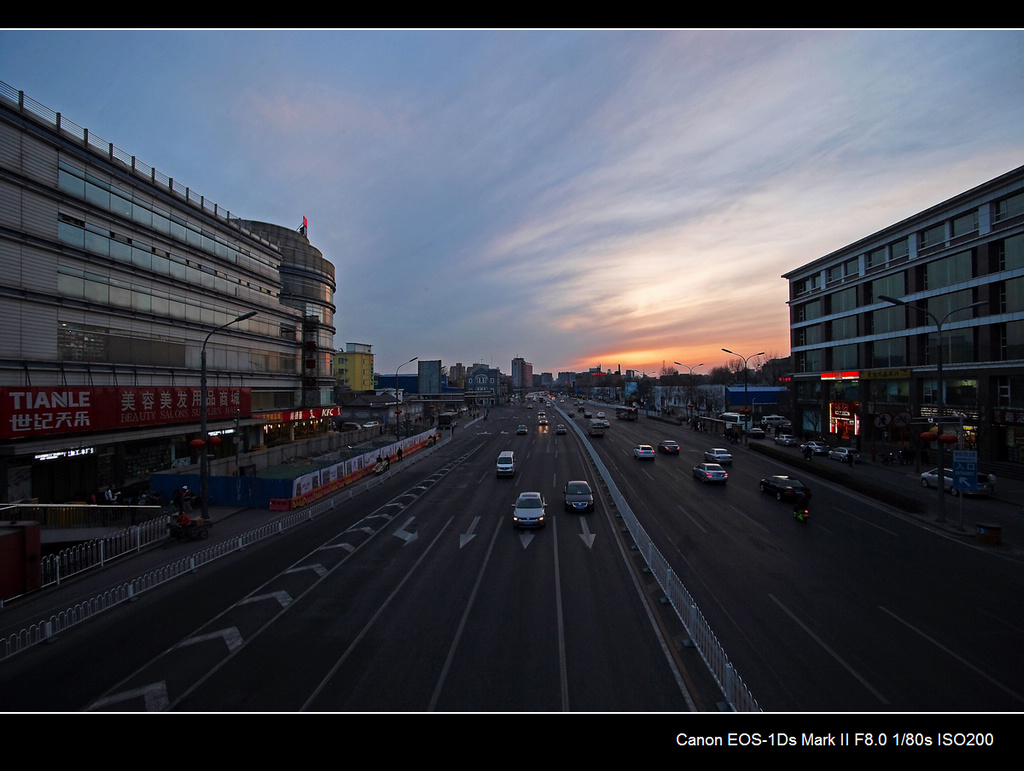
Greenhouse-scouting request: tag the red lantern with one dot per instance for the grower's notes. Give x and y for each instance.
(215, 440)
(947, 439)
(196, 444)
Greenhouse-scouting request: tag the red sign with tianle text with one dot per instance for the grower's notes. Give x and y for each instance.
(47, 410)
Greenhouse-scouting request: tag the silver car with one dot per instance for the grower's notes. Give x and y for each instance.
(710, 472)
(986, 483)
(718, 455)
(529, 511)
(844, 455)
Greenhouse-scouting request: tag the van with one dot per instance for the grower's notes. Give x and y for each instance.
(507, 464)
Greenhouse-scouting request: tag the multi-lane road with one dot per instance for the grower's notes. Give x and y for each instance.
(419, 595)
(416, 596)
(861, 609)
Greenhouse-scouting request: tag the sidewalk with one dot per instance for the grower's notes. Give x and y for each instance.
(995, 521)
(228, 522)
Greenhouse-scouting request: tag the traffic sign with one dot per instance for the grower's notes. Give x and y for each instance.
(965, 470)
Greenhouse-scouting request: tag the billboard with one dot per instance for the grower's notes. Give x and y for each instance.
(35, 411)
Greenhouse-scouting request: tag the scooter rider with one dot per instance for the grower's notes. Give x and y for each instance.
(801, 506)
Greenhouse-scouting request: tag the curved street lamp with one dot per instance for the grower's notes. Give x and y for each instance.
(689, 397)
(397, 408)
(204, 458)
(941, 470)
(746, 407)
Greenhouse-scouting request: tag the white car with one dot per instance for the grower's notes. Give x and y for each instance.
(529, 510)
(986, 483)
(718, 455)
(786, 440)
(816, 448)
(643, 452)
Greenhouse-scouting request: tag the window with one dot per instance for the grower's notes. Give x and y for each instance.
(1011, 253)
(844, 300)
(948, 270)
(1010, 207)
(892, 286)
(965, 224)
(933, 236)
(844, 328)
(889, 353)
(844, 357)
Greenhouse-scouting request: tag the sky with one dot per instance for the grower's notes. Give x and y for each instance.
(622, 199)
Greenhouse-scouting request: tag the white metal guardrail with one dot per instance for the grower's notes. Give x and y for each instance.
(47, 629)
(736, 694)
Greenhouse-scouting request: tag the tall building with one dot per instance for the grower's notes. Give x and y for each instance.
(522, 374)
(308, 285)
(118, 281)
(866, 369)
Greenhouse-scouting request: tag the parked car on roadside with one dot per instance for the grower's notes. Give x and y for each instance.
(816, 448)
(844, 455)
(786, 440)
(986, 483)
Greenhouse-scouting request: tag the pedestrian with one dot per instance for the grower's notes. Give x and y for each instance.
(178, 501)
(399, 453)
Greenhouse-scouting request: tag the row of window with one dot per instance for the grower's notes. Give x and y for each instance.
(900, 249)
(85, 343)
(960, 346)
(954, 269)
(102, 195)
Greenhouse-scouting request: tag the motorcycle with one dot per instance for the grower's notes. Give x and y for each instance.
(801, 510)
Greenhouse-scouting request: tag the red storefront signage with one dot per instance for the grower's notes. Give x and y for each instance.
(42, 411)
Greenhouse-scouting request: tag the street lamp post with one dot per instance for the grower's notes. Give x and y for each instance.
(689, 395)
(941, 469)
(204, 459)
(397, 408)
(746, 407)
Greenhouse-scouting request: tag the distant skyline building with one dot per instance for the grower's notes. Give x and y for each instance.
(522, 374)
(865, 369)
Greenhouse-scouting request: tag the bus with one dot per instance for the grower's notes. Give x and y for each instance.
(626, 413)
(447, 420)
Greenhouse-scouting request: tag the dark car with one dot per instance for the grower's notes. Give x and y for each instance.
(782, 486)
(668, 446)
(578, 496)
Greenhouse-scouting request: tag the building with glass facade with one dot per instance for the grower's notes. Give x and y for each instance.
(116, 280)
(866, 368)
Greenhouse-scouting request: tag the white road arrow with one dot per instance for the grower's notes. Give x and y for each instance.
(404, 534)
(586, 535)
(469, 535)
